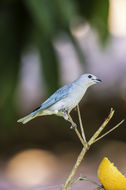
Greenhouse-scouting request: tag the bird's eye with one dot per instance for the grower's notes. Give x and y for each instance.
(89, 76)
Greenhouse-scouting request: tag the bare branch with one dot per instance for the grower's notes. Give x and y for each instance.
(76, 130)
(76, 181)
(93, 139)
(109, 131)
(97, 133)
(77, 164)
(85, 179)
(81, 125)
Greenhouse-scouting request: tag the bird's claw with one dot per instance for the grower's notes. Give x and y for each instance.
(64, 111)
(73, 126)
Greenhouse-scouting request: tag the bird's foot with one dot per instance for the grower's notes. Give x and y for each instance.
(64, 111)
(74, 126)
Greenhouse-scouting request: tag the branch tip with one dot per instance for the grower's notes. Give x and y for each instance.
(116, 126)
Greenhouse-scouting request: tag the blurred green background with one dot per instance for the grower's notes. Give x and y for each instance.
(45, 44)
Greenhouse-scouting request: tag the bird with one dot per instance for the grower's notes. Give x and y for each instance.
(65, 99)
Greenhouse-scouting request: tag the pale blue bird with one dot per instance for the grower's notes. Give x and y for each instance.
(64, 99)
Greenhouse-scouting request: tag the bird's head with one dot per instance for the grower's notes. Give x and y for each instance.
(88, 80)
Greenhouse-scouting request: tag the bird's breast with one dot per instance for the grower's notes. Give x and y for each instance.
(70, 101)
(75, 96)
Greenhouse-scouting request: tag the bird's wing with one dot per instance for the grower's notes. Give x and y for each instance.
(57, 96)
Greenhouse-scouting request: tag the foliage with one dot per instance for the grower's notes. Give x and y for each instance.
(36, 23)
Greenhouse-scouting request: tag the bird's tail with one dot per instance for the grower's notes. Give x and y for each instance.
(26, 118)
(29, 117)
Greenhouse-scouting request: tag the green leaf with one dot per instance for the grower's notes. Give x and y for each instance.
(41, 12)
(12, 42)
(96, 13)
(49, 64)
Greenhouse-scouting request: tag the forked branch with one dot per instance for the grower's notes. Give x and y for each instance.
(81, 125)
(68, 184)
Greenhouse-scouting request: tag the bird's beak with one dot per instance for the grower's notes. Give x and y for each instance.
(97, 80)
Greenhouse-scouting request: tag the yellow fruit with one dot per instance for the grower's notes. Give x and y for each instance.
(110, 177)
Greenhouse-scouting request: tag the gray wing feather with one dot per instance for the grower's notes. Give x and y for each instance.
(57, 96)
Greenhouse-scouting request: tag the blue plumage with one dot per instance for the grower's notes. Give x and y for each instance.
(57, 96)
(64, 99)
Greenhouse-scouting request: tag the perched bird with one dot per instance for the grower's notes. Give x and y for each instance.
(64, 99)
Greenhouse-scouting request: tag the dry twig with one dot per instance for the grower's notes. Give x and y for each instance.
(84, 178)
(81, 125)
(99, 138)
(76, 130)
(92, 140)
